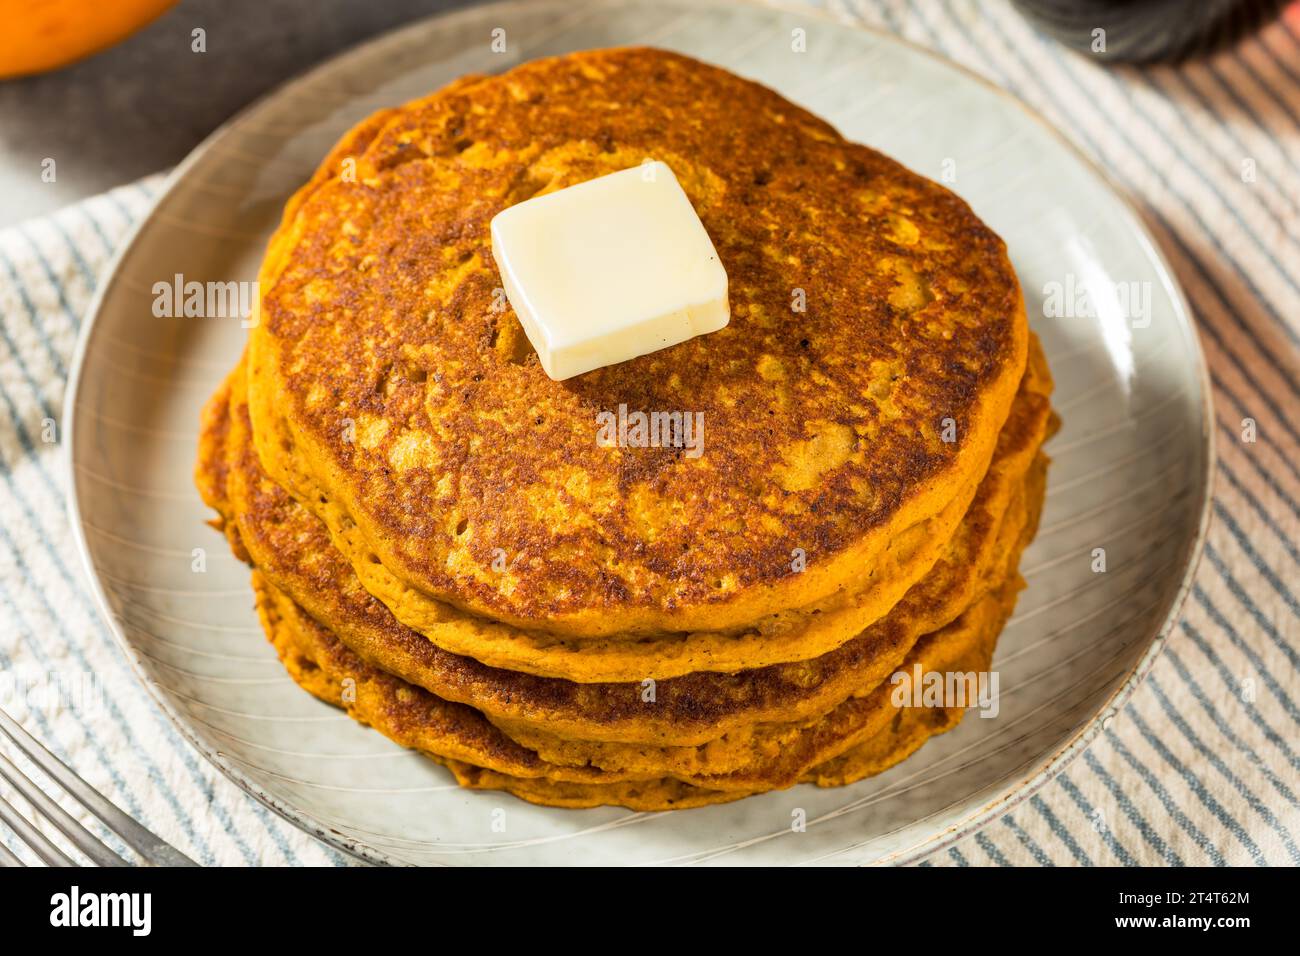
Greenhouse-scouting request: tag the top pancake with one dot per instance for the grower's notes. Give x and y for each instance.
(389, 383)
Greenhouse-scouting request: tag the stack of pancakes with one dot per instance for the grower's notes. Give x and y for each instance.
(442, 546)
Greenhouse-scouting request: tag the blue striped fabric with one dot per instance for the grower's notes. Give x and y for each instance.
(61, 674)
(1200, 768)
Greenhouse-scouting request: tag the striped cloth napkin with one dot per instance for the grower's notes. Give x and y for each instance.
(1200, 768)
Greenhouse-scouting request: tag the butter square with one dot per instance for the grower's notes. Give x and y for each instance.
(609, 269)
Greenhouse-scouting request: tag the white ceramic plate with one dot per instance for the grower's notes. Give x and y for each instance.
(1131, 471)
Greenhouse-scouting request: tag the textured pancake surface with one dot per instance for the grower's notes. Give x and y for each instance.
(394, 394)
(434, 525)
(292, 550)
(777, 754)
(778, 637)
(864, 735)
(749, 759)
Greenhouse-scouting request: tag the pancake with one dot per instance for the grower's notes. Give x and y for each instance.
(755, 758)
(881, 751)
(292, 550)
(392, 395)
(503, 647)
(412, 717)
(903, 733)
(450, 732)
(441, 545)
(746, 756)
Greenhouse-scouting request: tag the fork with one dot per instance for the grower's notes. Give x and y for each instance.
(152, 850)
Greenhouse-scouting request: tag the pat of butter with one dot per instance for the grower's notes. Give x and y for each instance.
(609, 269)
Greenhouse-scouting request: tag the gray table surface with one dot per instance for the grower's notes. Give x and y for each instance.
(142, 105)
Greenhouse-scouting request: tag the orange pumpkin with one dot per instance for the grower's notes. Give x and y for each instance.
(41, 35)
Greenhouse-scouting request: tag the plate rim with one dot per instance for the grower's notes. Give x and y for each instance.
(1043, 770)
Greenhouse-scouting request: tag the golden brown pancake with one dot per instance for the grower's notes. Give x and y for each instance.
(770, 753)
(754, 758)
(901, 735)
(479, 755)
(394, 396)
(441, 545)
(593, 661)
(291, 548)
